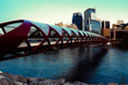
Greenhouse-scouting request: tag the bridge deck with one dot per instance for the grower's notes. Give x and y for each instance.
(33, 44)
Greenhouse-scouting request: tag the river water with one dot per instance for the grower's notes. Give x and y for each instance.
(86, 64)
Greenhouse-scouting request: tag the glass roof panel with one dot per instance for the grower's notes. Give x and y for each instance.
(57, 28)
(68, 30)
(42, 26)
(81, 32)
(75, 31)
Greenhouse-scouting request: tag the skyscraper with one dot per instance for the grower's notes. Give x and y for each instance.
(78, 20)
(102, 24)
(106, 31)
(105, 24)
(90, 21)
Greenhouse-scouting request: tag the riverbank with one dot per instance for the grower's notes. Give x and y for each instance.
(9, 79)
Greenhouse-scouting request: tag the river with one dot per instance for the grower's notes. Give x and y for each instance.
(92, 65)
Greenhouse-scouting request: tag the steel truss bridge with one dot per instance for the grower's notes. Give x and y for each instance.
(23, 36)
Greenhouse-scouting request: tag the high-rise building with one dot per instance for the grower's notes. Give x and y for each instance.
(105, 24)
(102, 25)
(77, 19)
(106, 31)
(91, 22)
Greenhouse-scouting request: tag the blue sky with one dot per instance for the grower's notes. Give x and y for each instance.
(54, 11)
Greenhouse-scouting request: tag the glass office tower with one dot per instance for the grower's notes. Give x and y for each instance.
(90, 21)
(78, 20)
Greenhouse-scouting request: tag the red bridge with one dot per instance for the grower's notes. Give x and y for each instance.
(23, 37)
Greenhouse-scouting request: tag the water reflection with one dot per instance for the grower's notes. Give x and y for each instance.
(53, 64)
(92, 59)
(108, 66)
(113, 67)
(75, 64)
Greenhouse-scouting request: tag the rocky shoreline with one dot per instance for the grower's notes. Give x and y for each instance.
(9, 79)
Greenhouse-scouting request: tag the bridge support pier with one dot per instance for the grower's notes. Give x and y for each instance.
(49, 45)
(62, 44)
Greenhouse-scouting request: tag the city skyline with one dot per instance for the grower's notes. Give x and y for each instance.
(54, 11)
